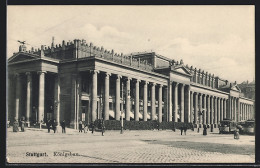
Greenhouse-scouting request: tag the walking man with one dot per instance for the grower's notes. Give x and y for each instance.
(48, 125)
(86, 128)
(63, 125)
(80, 126)
(102, 127)
(54, 124)
(92, 127)
(22, 124)
(185, 129)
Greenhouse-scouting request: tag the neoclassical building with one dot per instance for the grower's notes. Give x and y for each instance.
(76, 81)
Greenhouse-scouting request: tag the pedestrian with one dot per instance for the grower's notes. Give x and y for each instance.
(236, 134)
(185, 129)
(63, 126)
(48, 125)
(181, 130)
(15, 126)
(22, 124)
(92, 125)
(80, 126)
(198, 129)
(54, 124)
(86, 128)
(204, 130)
(102, 127)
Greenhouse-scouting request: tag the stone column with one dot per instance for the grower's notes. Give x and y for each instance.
(57, 99)
(205, 110)
(18, 96)
(137, 100)
(127, 116)
(176, 102)
(216, 112)
(218, 119)
(78, 104)
(160, 104)
(235, 109)
(212, 110)
(169, 101)
(29, 97)
(221, 109)
(208, 110)
(249, 114)
(106, 103)
(94, 95)
(182, 103)
(153, 108)
(200, 109)
(41, 95)
(246, 111)
(165, 106)
(188, 105)
(191, 107)
(118, 114)
(242, 111)
(196, 109)
(238, 110)
(231, 109)
(225, 108)
(145, 101)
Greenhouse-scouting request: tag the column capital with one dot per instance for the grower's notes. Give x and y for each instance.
(28, 73)
(17, 74)
(145, 82)
(118, 76)
(176, 83)
(153, 83)
(188, 87)
(40, 72)
(160, 85)
(128, 78)
(94, 71)
(137, 80)
(107, 74)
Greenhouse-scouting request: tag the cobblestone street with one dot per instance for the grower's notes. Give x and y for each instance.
(130, 147)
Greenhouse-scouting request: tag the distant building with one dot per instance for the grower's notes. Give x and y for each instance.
(77, 81)
(248, 89)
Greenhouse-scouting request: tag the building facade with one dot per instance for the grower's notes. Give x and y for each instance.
(76, 81)
(248, 89)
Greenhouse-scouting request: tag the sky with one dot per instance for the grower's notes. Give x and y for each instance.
(217, 39)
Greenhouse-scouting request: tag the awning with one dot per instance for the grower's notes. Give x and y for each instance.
(112, 113)
(148, 116)
(132, 115)
(141, 115)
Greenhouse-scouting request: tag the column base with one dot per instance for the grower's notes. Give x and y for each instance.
(28, 124)
(73, 125)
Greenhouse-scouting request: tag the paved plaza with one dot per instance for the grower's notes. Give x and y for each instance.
(133, 146)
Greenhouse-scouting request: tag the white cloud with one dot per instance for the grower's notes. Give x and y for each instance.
(218, 39)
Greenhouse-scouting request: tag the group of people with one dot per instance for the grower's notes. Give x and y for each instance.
(16, 125)
(184, 129)
(54, 124)
(92, 126)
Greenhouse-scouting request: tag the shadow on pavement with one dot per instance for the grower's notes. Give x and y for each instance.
(210, 147)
